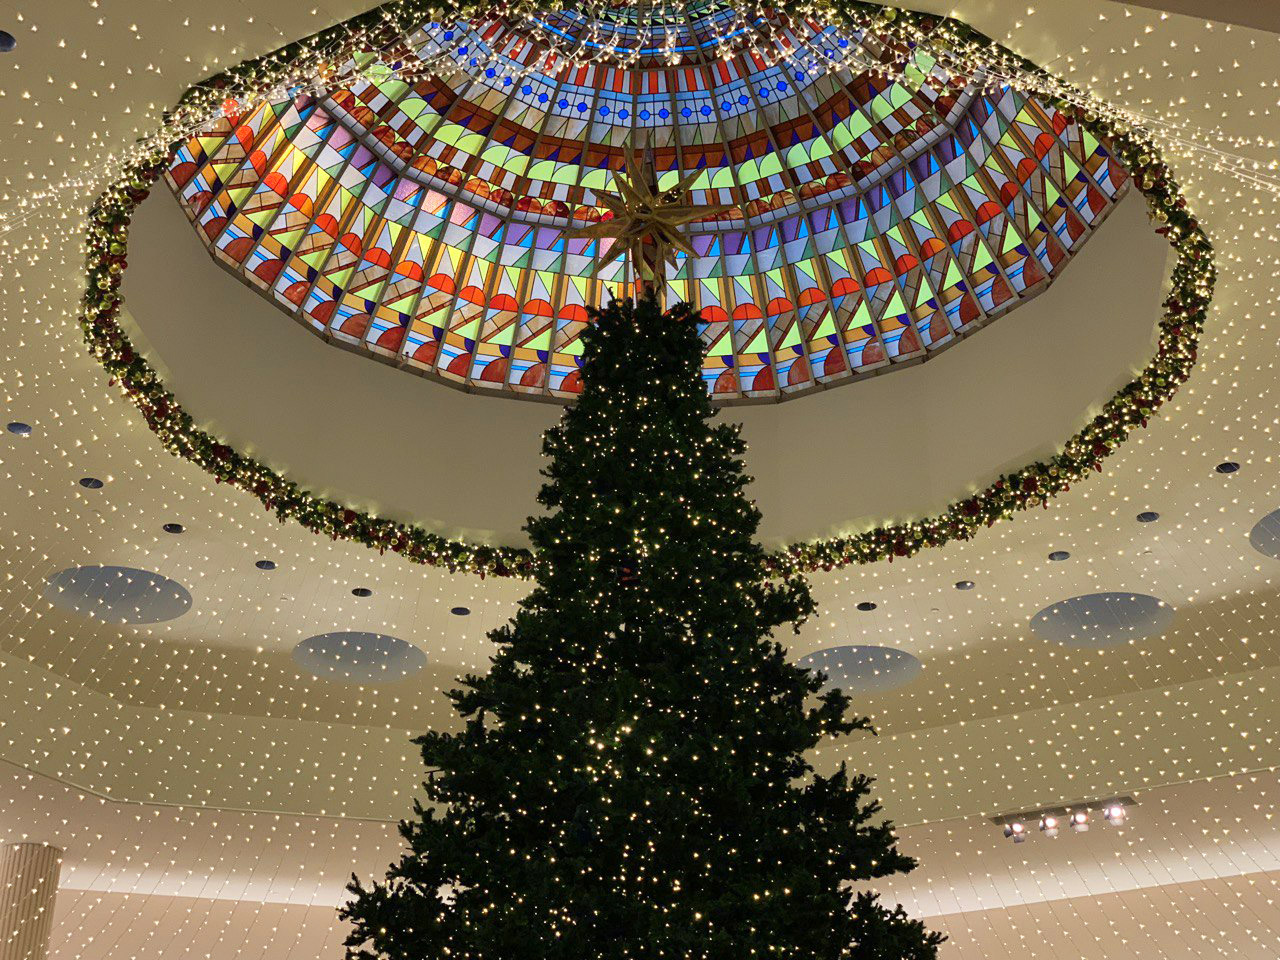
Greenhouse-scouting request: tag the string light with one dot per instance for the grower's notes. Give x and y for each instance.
(980, 673)
(1191, 283)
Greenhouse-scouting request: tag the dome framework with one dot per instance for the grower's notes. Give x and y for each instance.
(432, 208)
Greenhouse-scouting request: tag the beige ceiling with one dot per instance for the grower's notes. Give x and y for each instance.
(209, 709)
(1193, 873)
(890, 447)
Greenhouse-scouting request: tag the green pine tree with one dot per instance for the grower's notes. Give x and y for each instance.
(631, 780)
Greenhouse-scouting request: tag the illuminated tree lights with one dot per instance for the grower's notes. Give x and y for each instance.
(630, 779)
(1185, 308)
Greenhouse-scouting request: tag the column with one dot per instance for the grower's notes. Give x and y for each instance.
(28, 884)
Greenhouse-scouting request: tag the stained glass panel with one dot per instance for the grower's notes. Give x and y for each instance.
(422, 209)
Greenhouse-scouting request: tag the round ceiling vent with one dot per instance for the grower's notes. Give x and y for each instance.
(864, 669)
(1098, 620)
(118, 594)
(359, 657)
(1265, 535)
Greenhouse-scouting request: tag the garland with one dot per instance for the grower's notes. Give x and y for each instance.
(1185, 309)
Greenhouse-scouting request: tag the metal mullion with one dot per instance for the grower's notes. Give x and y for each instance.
(854, 264)
(318, 208)
(905, 166)
(467, 255)
(1012, 222)
(334, 113)
(298, 179)
(397, 249)
(1026, 195)
(751, 246)
(802, 96)
(450, 203)
(474, 161)
(594, 283)
(533, 150)
(968, 208)
(522, 291)
(453, 202)
(1029, 149)
(268, 125)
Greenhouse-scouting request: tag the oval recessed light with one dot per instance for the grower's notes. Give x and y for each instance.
(118, 594)
(359, 657)
(362, 592)
(866, 606)
(173, 528)
(18, 428)
(1148, 516)
(7, 41)
(965, 584)
(1227, 466)
(90, 483)
(1098, 620)
(461, 611)
(265, 564)
(1059, 555)
(864, 669)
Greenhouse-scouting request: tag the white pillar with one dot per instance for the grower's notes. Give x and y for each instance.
(28, 884)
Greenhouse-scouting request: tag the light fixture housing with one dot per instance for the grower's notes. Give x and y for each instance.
(1053, 819)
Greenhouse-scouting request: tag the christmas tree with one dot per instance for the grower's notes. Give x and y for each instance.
(630, 780)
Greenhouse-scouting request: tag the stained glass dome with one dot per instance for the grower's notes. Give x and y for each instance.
(425, 205)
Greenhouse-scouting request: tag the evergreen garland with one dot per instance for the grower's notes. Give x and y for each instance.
(1185, 310)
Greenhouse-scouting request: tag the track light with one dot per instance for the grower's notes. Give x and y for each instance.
(1016, 825)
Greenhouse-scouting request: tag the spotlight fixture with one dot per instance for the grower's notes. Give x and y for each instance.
(7, 41)
(1227, 466)
(461, 611)
(866, 606)
(1052, 819)
(265, 564)
(18, 428)
(362, 592)
(1059, 555)
(965, 584)
(1148, 516)
(173, 528)
(90, 483)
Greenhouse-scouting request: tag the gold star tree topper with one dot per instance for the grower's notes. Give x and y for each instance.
(646, 221)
